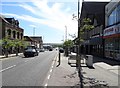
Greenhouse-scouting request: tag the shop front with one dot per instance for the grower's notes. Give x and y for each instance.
(112, 42)
(96, 46)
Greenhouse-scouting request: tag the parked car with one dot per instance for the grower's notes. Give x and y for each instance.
(41, 50)
(30, 51)
(50, 49)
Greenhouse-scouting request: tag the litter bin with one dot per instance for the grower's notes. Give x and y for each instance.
(89, 60)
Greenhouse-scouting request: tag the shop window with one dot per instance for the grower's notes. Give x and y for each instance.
(112, 19)
(117, 54)
(117, 45)
(109, 48)
(118, 13)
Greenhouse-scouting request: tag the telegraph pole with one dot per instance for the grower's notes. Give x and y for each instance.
(65, 33)
(33, 31)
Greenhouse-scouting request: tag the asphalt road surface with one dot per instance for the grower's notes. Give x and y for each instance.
(32, 71)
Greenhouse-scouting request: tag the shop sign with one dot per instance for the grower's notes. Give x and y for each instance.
(112, 30)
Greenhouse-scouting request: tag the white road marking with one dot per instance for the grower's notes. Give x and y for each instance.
(48, 76)
(7, 68)
(26, 60)
(46, 84)
(50, 70)
(53, 63)
(52, 67)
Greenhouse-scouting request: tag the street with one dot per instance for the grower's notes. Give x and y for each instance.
(32, 71)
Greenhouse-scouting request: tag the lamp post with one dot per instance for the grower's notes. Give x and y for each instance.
(66, 47)
(65, 33)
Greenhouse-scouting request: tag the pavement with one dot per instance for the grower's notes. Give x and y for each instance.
(100, 75)
(103, 74)
(64, 74)
(2, 57)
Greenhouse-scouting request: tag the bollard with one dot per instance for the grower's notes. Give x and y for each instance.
(59, 61)
(59, 58)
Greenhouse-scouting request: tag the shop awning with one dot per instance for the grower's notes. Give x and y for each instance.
(96, 41)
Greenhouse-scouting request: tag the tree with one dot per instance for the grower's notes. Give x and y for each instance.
(67, 45)
(6, 43)
(86, 26)
(16, 44)
(19, 43)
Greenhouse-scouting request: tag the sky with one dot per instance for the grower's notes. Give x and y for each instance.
(51, 19)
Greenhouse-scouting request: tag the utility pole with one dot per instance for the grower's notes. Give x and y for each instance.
(65, 33)
(78, 54)
(33, 31)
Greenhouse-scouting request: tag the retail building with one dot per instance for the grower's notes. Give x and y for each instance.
(112, 30)
(93, 39)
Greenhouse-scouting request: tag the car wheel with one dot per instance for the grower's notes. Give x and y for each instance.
(25, 55)
(37, 54)
(33, 55)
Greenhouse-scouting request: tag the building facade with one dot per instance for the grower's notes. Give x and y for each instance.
(39, 41)
(10, 28)
(93, 39)
(28, 40)
(112, 30)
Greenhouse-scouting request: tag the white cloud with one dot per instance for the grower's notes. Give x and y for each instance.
(54, 16)
(29, 8)
(34, 26)
(54, 0)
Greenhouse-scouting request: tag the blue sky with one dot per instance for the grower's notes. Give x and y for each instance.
(47, 17)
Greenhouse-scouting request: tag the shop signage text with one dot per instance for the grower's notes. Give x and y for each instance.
(112, 30)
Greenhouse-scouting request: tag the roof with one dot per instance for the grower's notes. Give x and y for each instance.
(8, 21)
(27, 38)
(38, 38)
(30, 39)
(2, 17)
